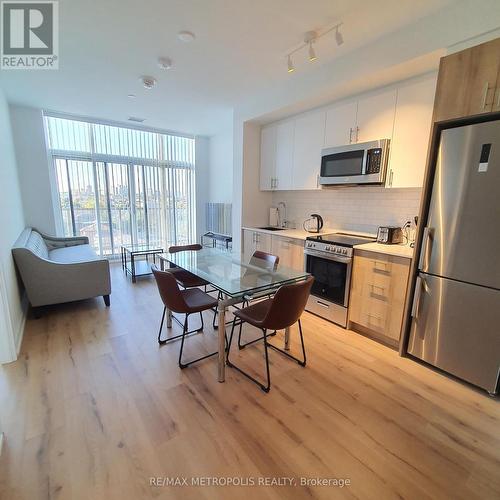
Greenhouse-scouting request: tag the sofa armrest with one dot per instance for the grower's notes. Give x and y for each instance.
(52, 242)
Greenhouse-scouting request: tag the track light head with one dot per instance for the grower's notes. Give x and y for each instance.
(312, 54)
(338, 37)
(291, 69)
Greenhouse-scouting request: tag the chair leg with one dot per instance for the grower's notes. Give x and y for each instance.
(184, 335)
(266, 387)
(161, 342)
(184, 329)
(219, 297)
(301, 362)
(175, 337)
(242, 346)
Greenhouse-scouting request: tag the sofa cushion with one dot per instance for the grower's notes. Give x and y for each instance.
(69, 255)
(36, 244)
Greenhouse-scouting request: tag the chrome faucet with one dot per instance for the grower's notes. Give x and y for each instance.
(282, 214)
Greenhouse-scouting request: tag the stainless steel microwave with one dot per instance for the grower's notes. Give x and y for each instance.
(361, 163)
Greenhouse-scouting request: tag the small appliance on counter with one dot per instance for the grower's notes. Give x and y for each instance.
(314, 224)
(390, 235)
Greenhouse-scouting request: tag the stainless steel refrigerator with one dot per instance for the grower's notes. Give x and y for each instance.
(456, 307)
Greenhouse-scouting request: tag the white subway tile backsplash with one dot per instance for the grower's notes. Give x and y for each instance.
(360, 208)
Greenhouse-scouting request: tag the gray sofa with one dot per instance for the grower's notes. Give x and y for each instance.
(56, 270)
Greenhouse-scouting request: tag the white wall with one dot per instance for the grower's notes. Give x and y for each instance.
(34, 172)
(220, 187)
(11, 224)
(202, 166)
(250, 205)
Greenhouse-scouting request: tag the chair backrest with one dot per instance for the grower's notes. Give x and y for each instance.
(288, 304)
(265, 260)
(169, 290)
(183, 248)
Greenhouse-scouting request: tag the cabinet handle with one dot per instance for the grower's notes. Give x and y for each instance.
(370, 315)
(376, 286)
(485, 94)
(383, 266)
(317, 180)
(350, 135)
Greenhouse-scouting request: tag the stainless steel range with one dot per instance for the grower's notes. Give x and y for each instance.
(328, 257)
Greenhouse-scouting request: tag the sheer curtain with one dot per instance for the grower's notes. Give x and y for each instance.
(120, 185)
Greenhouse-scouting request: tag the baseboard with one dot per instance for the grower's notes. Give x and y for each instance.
(20, 330)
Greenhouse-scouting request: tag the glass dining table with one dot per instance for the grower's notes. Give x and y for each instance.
(236, 280)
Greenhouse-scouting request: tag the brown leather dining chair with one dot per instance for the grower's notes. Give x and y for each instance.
(277, 313)
(266, 261)
(188, 301)
(187, 279)
(183, 277)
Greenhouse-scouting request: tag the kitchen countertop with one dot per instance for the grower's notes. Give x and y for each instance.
(298, 234)
(395, 250)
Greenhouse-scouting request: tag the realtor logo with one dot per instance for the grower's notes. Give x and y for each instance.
(29, 35)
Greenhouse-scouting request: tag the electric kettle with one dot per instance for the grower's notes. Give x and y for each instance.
(314, 224)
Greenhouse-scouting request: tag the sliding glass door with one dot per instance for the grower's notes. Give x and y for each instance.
(115, 198)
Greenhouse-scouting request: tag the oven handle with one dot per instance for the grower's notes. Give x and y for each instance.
(328, 256)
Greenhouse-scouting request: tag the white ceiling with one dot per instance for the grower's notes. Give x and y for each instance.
(238, 54)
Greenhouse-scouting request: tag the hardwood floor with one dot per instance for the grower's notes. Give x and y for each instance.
(93, 409)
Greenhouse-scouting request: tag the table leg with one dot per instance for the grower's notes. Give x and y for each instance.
(222, 307)
(132, 263)
(287, 338)
(168, 312)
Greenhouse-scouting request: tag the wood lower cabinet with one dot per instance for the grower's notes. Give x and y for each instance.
(290, 251)
(468, 82)
(378, 293)
(255, 240)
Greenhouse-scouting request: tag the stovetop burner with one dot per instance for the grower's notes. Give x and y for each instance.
(341, 239)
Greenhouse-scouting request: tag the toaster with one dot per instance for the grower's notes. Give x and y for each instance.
(389, 235)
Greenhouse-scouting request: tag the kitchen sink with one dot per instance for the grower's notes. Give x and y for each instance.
(272, 228)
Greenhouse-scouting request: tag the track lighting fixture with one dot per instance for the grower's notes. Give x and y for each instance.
(310, 38)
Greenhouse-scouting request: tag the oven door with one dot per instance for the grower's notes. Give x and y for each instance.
(332, 276)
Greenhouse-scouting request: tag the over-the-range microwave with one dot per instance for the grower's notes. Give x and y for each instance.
(361, 163)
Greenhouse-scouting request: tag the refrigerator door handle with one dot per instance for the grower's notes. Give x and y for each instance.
(423, 263)
(416, 297)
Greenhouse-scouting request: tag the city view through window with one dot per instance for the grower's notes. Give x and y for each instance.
(122, 186)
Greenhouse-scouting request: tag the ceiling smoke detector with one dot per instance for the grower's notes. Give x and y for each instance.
(136, 119)
(164, 62)
(148, 82)
(185, 36)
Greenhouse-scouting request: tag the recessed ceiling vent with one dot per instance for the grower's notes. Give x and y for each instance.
(136, 119)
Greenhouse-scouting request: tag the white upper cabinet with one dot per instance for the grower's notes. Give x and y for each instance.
(375, 117)
(411, 133)
(291, 150)
(340, 124)
(285, 132)
(267, 157)
(309, 140)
